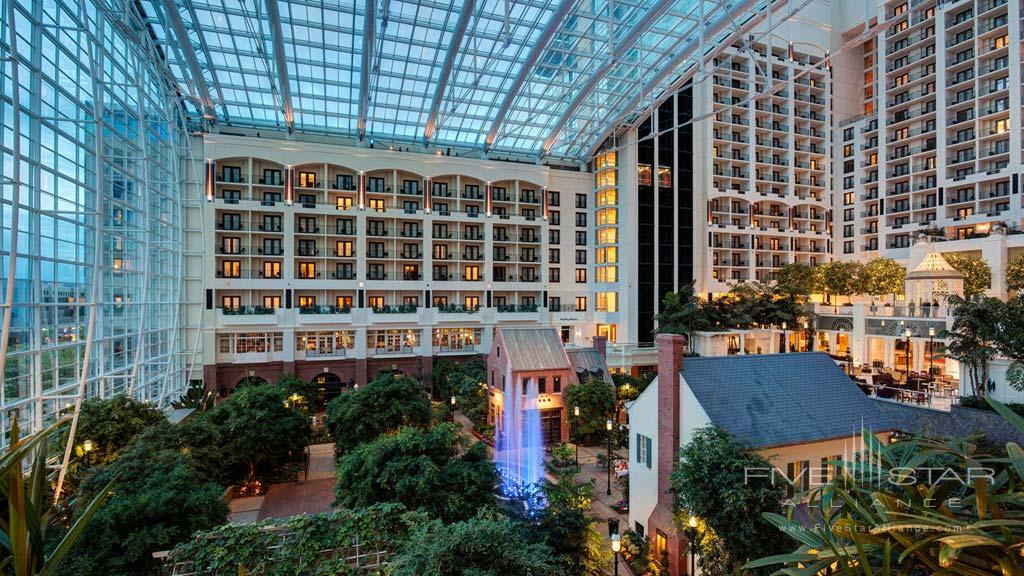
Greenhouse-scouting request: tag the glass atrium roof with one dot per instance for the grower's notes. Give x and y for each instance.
(532, 77)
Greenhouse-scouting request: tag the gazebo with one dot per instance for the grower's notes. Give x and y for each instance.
(933, 280)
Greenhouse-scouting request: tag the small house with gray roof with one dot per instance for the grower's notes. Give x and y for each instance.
(800, 410)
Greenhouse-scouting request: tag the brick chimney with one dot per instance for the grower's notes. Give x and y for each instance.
(671, 351)
(601, 345)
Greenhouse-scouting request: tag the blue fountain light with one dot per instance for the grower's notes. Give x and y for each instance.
(519, 449)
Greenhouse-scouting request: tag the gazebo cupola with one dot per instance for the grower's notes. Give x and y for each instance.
(934, 280)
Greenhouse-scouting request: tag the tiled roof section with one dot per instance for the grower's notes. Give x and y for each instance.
(589, 360)
(534, 349)
(781, 399)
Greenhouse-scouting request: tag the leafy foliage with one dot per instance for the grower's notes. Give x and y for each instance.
(884, 516)
(300, 392)
(255, 432)
(596, 400)
(29, 519)
(393, 401)
(160, 501)
(467, 381)
(195, 397)
(636, 550)
(710, 482)
(842, 278)
(882, 276)
(421, 470)
(1015, 274)
(628, 387)
(745, 305)
(108, 426)
(1009, 339)
(798, 279)
(977, 273)
(570, 534)
(296, 545)
(681, 313)
(971, 338)
(485, 545)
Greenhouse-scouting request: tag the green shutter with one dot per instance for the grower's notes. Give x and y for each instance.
(648, 441)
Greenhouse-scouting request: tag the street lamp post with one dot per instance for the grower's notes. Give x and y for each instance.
(616, 548)
(575, 440)
(785, 341)
(691, 543)
(453, 408)
(906, 352)
(608, 427)
(807, 338)
(931, 351)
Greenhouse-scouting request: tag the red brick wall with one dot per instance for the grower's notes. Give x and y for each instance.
(671, 351)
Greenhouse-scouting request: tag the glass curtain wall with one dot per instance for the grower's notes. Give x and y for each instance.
(91, 209)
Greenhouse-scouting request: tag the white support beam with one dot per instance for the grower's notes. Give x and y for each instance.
(714, 28)
(209, 61)
(283, 85)
(626, 43)
(446, 69)
(195, 71)
(369, 43)
(545, 37)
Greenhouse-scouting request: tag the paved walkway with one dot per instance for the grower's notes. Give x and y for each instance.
(307, 496)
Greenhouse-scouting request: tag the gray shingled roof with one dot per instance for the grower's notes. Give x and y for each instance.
(534, 349)
(780, 399)
(589, 360)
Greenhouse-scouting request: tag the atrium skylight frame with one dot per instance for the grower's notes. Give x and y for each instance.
(535, 82)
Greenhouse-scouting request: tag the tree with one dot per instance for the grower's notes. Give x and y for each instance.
(421, 470)
(596, 400)
(570, 534)
(196, 397)
(485, 545)
(798, 279)
(883, 276)
(629, 387)
(305, 544)
(841, 278)
(886, 515)
(300, 393)
(680, 313)
(471, 398)
(1009, 339)
(442, 376)
(28, 543)
(160, 501)
(1015, 274)
(711, 482)
(971, 338)
(385, 404)
(256, 432)
(977, 273)
(105, 428)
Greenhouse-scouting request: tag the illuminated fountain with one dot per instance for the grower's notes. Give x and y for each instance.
(519, 449)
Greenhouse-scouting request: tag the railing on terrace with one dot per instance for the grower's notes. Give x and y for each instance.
(325, 310)
(338, 352)
(247, 311)
(395, 309)
(457, 309)
(517, 308)
(884, 311)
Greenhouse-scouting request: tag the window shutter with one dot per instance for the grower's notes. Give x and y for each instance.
(648, 441)
(639, 451)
